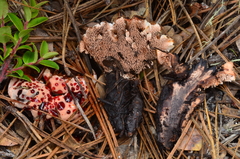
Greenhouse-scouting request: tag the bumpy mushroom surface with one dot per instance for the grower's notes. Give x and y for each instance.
(129, 41)
(52, 97)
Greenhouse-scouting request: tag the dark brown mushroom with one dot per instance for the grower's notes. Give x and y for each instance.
(179, 98)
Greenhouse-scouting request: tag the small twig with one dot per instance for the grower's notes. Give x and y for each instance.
(68, 72)
(191, 22)
(215, 40)
(212, 143)
(6, 154)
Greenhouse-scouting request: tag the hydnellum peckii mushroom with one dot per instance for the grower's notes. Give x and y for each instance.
(124, 49)
(52, 97)
(179, 98)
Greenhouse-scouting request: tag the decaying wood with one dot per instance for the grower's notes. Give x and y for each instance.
(178, 99)
(123, 103)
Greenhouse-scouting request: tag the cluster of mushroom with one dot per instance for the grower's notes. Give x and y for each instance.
(52, 97)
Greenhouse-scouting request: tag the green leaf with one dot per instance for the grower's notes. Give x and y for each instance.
(30, 57)
(10, 45)
(1, 58)
(36, 11)
(19, 62)
(4, 31)
(27, 12)
(25, 47)
(16, 21)
(49, 63)
(24, 32)
(19, 72)
(35, 49)
(49, 55)
(7, 19)
(33, 67)
(3, 9)
(25, 38)
(15, 36)
(33, 3)
(24, 77)
(36, 21)
(43, 48)
(40, 4)
(7, 53)
(12, 38)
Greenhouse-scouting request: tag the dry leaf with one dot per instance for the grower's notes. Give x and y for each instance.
(232, 111)
(140, 12)
(169, 31)
(100, 87)
(72, 142)
(15, 149)
(20, 128)
(7, 142)
(193, 142)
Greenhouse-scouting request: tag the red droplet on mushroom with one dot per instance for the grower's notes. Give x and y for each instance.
(41, 106)
(34, 106)
(54, 112)
(73, 89)
(32, 91)
(59, 92)
(68, 97)
(68, 111)
(60, 106)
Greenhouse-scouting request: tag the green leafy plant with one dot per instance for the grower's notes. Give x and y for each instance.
(12, 42)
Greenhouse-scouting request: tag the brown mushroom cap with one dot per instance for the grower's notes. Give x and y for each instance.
(129, 41)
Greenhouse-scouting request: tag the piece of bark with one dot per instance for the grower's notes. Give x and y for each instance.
(176, 103)
(179, 98)
(171, 62)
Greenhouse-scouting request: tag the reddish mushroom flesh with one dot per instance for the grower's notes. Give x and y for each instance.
(52, 97)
